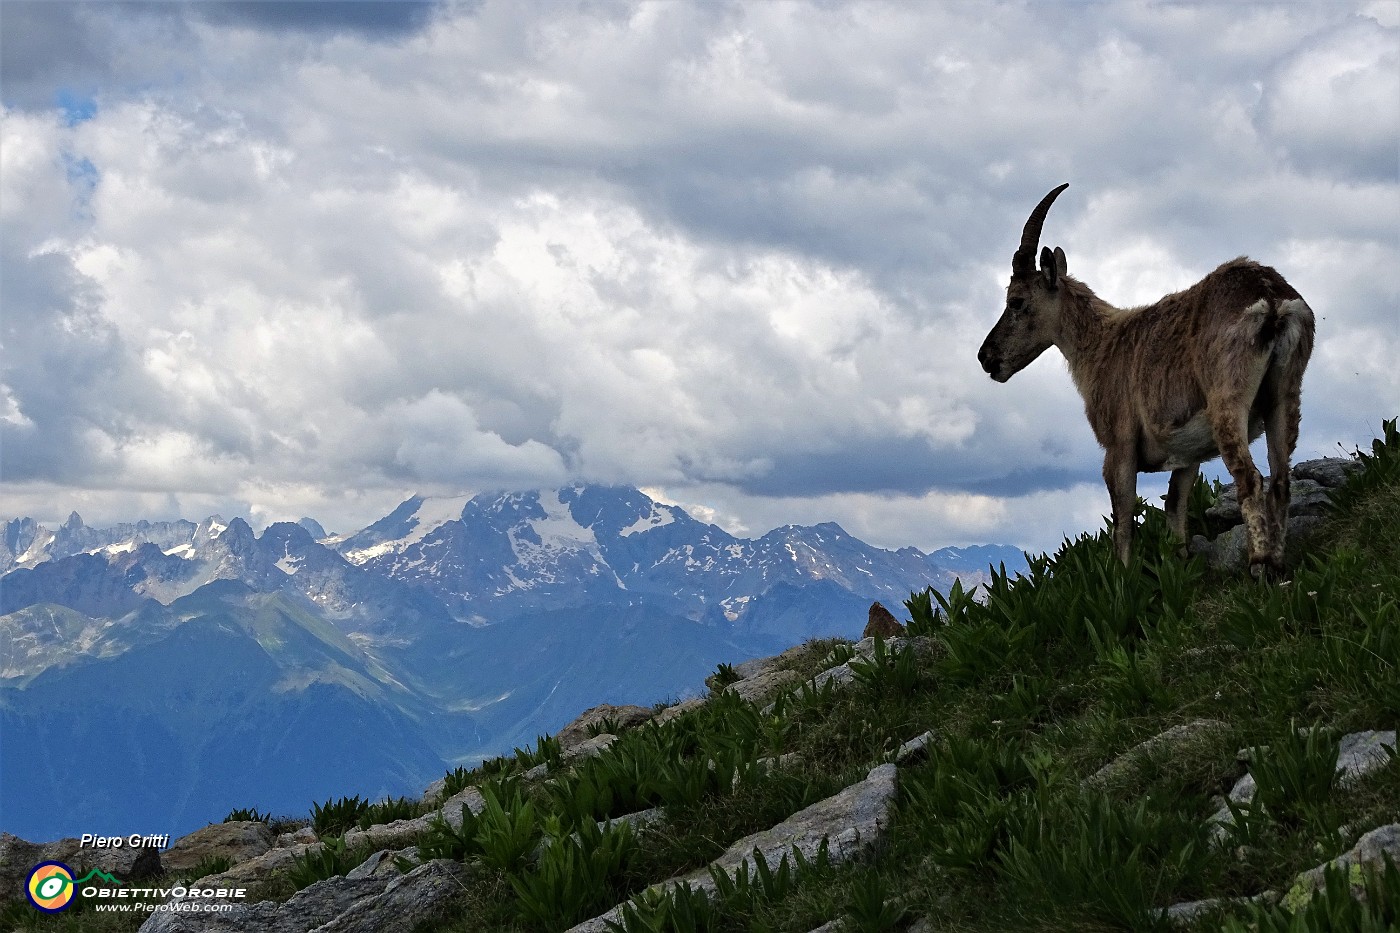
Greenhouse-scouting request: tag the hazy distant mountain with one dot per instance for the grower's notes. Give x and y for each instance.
(201, 663)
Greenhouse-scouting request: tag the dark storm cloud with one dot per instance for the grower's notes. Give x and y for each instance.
(47, 48)
(56, 49)
(369, 18)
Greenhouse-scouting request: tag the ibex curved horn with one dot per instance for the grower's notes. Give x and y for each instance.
(1023, 262)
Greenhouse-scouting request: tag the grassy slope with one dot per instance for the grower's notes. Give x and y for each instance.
(1029, 693)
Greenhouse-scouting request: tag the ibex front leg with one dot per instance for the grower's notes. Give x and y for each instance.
(1179, 501)
(1120, 475)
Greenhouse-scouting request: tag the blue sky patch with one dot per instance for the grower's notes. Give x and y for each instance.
(77, 108)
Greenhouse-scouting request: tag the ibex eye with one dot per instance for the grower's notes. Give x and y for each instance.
(1015, 304)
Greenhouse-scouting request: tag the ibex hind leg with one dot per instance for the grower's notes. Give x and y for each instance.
(1230, 422)
(1282, 392)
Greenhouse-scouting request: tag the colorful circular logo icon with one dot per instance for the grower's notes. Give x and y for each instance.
(50, 886)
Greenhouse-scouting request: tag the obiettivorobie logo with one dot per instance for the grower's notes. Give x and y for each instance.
(50, 886)
(52, 889)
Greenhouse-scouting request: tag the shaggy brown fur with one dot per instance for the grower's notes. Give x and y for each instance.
(1198, 374)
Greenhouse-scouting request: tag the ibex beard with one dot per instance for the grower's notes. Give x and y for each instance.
(1199, 374)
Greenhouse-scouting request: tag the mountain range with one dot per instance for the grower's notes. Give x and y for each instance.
(155, 675)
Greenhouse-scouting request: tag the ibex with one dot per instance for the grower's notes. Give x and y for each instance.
(1199, 374)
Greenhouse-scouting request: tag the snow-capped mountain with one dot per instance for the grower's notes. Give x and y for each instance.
(448, 630)
(495, 554)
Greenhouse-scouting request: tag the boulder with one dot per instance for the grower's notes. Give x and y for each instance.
(680, 709)
(406, 902)
(914, 750)
(1328, 471)
(308, 909)
(1358, 754)
(383, 862)
(881, 622)
(764, 686)
(236, 841)
(1174, 739)
(1367, 855)
(617, 719)
(793, 655)
(433, 792)
(1309, 500)
(302, 836)
(18, 856)
(850, 822)
(1192, 911)
(260, 867)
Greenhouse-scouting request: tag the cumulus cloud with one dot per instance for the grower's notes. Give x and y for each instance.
(291, 259)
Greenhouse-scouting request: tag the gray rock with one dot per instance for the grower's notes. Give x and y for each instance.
(1229, 552)
(308, 909)
(914, 750)
(301, 836)
(764, 686)
(1308, 498)
(433, 793)
(851, 822)
(622, 717)
(1367, 855)
(1191, 911)
(753, 668)
(18, 856)
(639, 820)
(395, 835)
(1360, 753)
(1328, 471)
(259, 868)
(407, 901)
(590, 748)
(451, 809)
(1175, 738)
(236, 841)
(680, 709)
(371, 866)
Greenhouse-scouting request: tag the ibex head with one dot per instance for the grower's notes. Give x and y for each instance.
(1027, 326)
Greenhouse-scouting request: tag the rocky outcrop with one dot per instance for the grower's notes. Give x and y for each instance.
(236, 841)
(1357, 863)
(1368, 855)
(850, 823)
(764, 685)
(607, 718)
(1312, 482)
(1174, 740)
(1358, 754)
(365, 904)
(18, 856)
(881, 622)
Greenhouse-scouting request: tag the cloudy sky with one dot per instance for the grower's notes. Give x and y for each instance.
(277, 259)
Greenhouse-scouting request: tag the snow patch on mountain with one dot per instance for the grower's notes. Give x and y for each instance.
(659, 517)
(431, 513)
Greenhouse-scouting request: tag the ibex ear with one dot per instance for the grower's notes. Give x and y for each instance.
(1061, 264)
(1049, 268)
